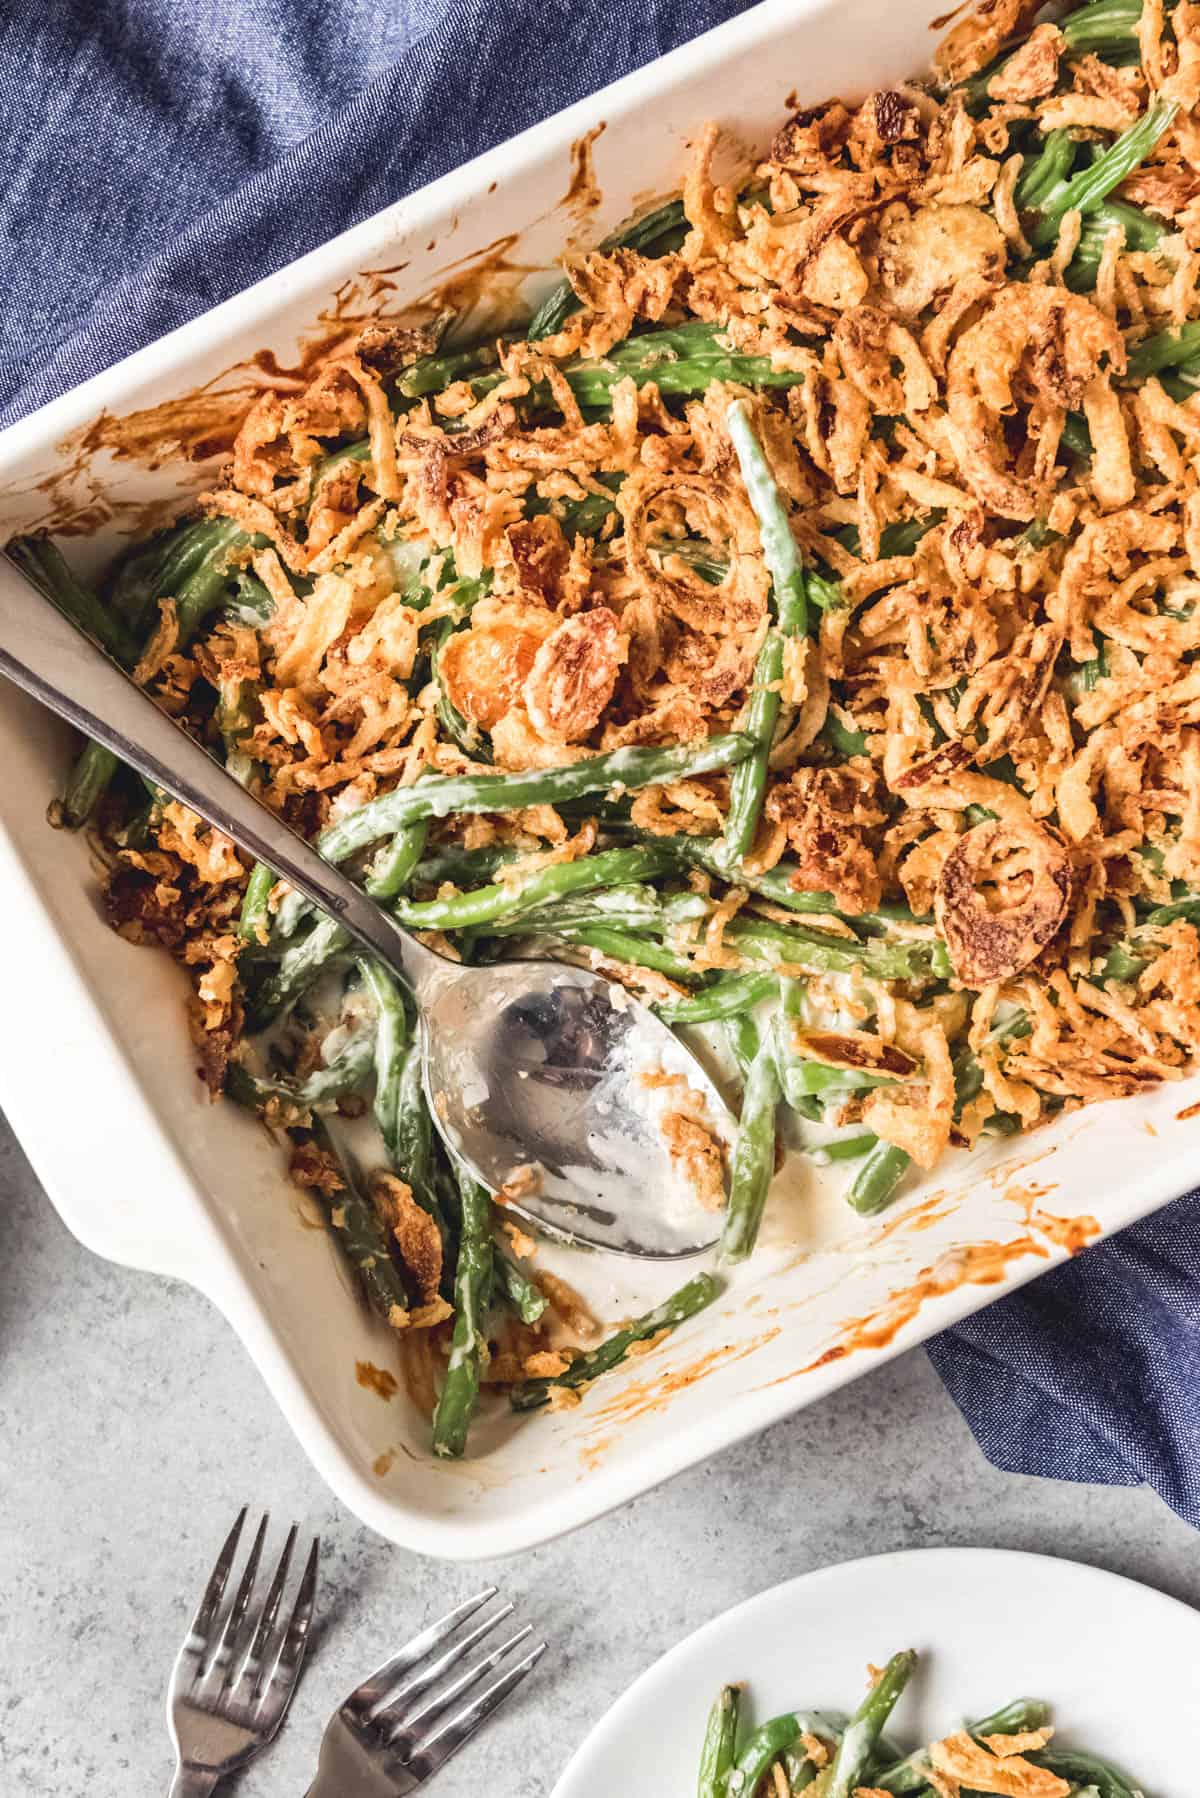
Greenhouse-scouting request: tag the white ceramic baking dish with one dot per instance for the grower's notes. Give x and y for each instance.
(95, 1068)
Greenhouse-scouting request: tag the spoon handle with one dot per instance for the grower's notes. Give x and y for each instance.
(43, 652)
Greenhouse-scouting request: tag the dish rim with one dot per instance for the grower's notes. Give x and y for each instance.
(209, 1260)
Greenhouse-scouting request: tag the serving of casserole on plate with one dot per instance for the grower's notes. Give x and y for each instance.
(791, 614)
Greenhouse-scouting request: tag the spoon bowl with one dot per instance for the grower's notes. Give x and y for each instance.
(555, 1088)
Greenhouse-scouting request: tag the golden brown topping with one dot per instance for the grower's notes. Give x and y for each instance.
(854, 1049)
(825, 814)
(1009, 1776)
(1002, 894)
(922, 255)
(1032, 71)
(483, 670)
(573, 676)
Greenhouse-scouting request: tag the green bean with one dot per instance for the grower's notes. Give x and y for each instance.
(640, 234)
(588, 516)
(1164, 349)
(358, 1228)
(1043, 172)
(468, 911)
(195, 571)
(709, 854)
(1103, 24)
(874, 1185)
(527, 1395)
(472, 1288)
(968, 1075)
(1076, 437)
(1084, 191)
(394, 866)
(254, 919)
(464, 867)
(762, 1749)
(438, 798)
(911, 1774)
(728, 997)
(1086, 1770)
(251, 603)
(825, 594)
(753, 1163)
(1020, 1713)
(684, 359)
(897, 539)
(88, 781)
(820, 952)
(413, 1154)
(842, 741)
(748, 783)
(430, 374)
(132, 583)
(866, 1726)
(720, 1741)
(1186, 907)
(620, 945)
(391, 1042)
(843, 1148)
(522, 1293)
(741, 1033)
(637, 908)
(298, 968)
(42, 564)
(1142, 232)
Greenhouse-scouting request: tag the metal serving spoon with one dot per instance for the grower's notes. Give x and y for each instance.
(531, 1068)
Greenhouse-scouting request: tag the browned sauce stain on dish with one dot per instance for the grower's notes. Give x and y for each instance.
(202, 424)
(376, 1379)
(921, 1216)
(382, 1464)
(72, 502)
(1000, 1176)
(978, 1264)
(194, 428)
(1189, 1111)
(947, 18)
(1070, 1233)
(653, 1393)
(583, 191)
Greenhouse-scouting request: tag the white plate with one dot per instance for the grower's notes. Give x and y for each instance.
(1120, 1665)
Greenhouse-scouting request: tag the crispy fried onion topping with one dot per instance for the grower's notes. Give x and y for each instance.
(1001, 896)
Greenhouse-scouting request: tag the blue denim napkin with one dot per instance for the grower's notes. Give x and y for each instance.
(162, 154)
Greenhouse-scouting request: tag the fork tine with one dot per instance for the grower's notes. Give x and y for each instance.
(281, 1682)
(470, 1676)
(377, 1688)
(202, 1622)
(457, 1729)
(226, 1649)
(428, 1675)
(262, 1635)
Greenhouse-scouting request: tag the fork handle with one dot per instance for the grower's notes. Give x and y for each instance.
(192, 1782)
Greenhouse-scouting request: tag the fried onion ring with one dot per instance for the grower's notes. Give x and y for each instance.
(1029, 866)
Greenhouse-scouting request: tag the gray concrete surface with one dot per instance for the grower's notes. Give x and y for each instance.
(132, 1425)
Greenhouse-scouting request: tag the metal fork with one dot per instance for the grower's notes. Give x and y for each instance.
(386, 1739)
(238, 1667)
